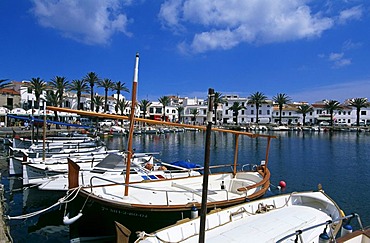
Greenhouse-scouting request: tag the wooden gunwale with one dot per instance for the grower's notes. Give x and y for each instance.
(266, 177)
(152, 208)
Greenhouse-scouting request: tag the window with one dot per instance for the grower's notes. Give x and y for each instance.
(9, 103)
(242, 112)
(268, 112)
(363, 113)
(151, 110)
(226, 112)
(252, 112)
(290, 113)
(283, 113)
(260, 112)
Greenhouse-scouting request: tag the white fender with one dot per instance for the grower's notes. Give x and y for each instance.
(68, 221)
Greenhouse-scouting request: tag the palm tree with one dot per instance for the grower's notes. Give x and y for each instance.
(60, 84)
(98, 102)
(194, 112)
(144, 105)
(358, 103)
(80, 86)
(119, 86)
(165, 101)
(304, 109)
(3, 83)
(257, 99)
(180, 111)
(331, 106)
(281, 99)
(122, 105)
(219, 99)
(236, 107)
(53, 100)
(38, 86)
(92, 79)
(107, 84)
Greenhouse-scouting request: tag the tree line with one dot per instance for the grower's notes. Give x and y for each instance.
(87, 83)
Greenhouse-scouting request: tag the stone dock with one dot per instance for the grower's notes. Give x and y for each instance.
(4, 230)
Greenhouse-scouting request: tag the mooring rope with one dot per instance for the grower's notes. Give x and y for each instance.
(62, 200)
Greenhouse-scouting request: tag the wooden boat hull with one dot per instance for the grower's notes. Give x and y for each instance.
(149, 215)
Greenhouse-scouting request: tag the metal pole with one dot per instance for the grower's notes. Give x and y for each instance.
(44, 134)
(203, 209)
(32, 121)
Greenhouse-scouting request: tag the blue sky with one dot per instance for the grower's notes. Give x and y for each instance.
(309, 50)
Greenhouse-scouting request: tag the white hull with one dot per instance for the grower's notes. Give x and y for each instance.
(264, 220)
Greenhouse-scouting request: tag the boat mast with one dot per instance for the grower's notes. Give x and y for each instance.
(132, 120)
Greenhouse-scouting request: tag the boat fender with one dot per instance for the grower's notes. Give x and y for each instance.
(68, 221)
(324, 237)
(282, 184)
(346, 229)
(193, 212)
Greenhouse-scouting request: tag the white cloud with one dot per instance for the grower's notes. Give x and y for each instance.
(225, 24)
(90, 22)
(338, 60)
(354, 13)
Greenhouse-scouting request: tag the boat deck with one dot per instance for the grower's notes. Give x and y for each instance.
(180, 191)
(255, 222)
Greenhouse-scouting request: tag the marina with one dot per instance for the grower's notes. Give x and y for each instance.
(301, 159)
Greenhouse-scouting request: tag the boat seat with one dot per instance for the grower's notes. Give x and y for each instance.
(236, 185)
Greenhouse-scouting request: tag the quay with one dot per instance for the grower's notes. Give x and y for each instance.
(4, 230)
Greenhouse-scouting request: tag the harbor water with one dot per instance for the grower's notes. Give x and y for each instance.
(339, 161)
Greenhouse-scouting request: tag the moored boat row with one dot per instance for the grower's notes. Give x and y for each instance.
(228, 201)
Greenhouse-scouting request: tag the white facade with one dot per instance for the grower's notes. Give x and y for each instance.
(268, 112)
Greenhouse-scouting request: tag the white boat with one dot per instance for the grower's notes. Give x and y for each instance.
(26, 143)
(15, 162)
(273, 219)
(280, 128)
(362, 235)
(41, 171)
(155, 204)
(105, 172)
